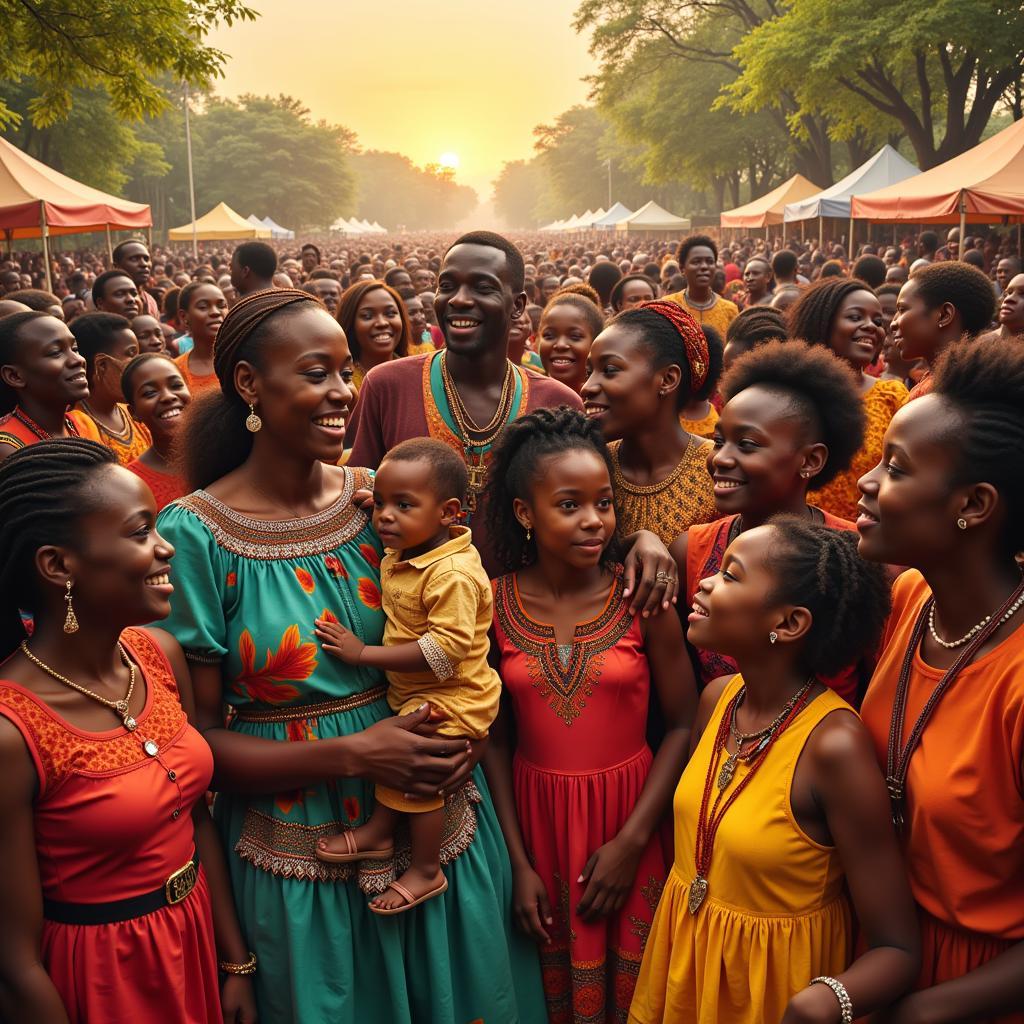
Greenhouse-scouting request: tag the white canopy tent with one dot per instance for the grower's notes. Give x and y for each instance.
(885, 168)
(653, 218)
(276, 231)
(612, 217)
(377, 229)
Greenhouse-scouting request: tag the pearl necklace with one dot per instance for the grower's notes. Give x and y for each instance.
(975, 630)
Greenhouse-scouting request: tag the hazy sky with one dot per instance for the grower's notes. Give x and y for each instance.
(420, 77)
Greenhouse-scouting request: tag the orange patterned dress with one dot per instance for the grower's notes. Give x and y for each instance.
(128, 443)
(113, 823)
(840, 495)
(580, 765)
(166, 487)
(18, 430)
(197, 383)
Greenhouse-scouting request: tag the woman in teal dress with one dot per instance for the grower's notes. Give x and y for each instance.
(268, 545)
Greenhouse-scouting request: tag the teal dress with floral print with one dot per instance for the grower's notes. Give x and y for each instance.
(246, 595)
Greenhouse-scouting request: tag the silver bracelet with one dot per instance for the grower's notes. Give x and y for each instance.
(845, 1003)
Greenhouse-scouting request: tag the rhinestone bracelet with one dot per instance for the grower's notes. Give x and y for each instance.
(249, 967)
(845, 1003)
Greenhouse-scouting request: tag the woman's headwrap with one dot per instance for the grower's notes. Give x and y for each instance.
(694, 342)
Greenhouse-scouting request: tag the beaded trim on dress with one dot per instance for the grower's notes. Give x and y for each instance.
(269, 540)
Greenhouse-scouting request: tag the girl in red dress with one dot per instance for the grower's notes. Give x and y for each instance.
(157, 395)
(114, 895)
(578, 791)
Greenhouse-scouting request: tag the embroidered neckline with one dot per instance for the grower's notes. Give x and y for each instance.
(270, 540)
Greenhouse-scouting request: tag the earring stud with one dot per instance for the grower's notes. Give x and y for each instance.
(962, 523)
(773, 637)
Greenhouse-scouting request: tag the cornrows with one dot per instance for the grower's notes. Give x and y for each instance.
(244, 318)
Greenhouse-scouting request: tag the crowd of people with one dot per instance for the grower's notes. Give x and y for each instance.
(513, 630)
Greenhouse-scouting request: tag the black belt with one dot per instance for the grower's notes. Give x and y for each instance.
(174, 890)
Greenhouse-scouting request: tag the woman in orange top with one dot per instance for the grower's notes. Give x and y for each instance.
(791, 422)
(846, 316)
(42, 373)
(108, 343)
(201, 309)
(948, 695)
(781, 799)
(157, 395)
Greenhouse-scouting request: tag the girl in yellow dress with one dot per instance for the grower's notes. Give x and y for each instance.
(781, 799)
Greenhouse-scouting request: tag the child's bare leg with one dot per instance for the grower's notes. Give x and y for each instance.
(376, 834)
(424, 872)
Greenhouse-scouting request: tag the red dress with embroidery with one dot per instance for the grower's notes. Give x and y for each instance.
(111, 823)
(581, 762)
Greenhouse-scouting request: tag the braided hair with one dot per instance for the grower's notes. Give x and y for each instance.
(755, 326)
(10, 343)
(984, 381)
(818, 568)
(214, 440)
(673, 338)
(517, 457)
(43, 495)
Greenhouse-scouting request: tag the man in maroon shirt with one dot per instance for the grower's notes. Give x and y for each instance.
(480, 292)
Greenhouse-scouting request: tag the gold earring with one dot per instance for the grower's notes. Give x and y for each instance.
(773, 637)
(70, 620)
(962, 523)
(252, 422)
(529, 533)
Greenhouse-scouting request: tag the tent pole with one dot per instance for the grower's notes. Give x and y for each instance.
(191, 180)
(43, 230)
(110, 248)
(821, 232)
(963, 224)
(850, 255)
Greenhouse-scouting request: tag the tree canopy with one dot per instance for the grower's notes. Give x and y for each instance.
(120, 46)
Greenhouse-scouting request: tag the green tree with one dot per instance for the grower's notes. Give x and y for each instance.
(937, 69)
(703, 32)
(516, 190)
(120, 46)
(264, 155)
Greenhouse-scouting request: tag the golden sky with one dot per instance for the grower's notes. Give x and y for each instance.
(420, 77)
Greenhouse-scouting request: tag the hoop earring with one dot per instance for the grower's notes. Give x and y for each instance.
(773, 637)
(252, 422)
(70, 620)
(962, 523)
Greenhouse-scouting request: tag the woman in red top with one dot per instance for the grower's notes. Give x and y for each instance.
(157, 395)
(792, 420)
(114, 893)
(42, 375)
(945, 707)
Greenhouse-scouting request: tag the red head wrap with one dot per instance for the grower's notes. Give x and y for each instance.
(694, 342)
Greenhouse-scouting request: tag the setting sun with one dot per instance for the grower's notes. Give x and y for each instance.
(449, 160)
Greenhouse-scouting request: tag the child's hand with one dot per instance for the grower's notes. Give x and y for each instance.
(363, 500)
(337, 640)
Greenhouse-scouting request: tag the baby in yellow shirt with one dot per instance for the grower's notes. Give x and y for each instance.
(437, 600)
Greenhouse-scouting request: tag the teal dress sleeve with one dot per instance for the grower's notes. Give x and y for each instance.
(197, 620)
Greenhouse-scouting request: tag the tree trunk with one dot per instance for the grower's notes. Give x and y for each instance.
(734, 187)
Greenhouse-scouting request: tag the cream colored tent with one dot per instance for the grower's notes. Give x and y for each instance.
(220, 224)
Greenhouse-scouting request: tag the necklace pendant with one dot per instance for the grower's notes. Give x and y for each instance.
(698, 893)
(151, 748)
(727, 772)
(130, 724)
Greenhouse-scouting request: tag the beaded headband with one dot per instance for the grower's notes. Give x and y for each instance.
(694, 342)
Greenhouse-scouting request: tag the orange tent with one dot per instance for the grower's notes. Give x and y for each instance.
(983, 185)
(769, 208)
(36, 200)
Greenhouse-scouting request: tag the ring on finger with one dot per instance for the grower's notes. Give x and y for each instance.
(664, 577)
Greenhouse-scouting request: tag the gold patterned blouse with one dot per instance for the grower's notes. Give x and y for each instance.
(671, 506)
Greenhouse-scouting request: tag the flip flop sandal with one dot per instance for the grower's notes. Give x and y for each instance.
(352, 852)
(411, 900)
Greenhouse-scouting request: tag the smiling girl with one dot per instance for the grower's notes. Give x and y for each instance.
(377, 327)
(846, 317)
(578, 791)
(201, 310)
(157, 396)
(568, 327)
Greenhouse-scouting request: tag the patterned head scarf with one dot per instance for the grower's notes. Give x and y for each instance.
(694, 342)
